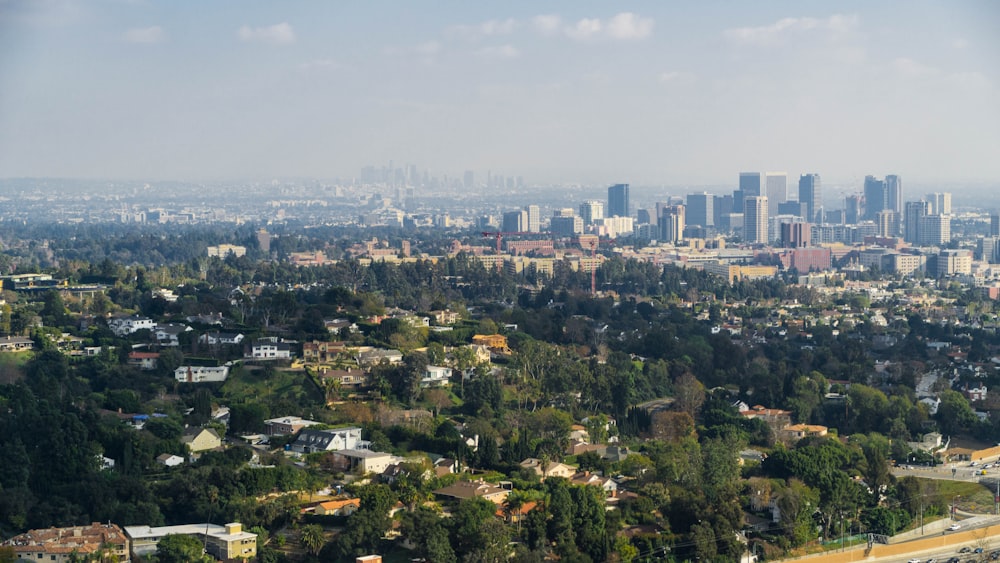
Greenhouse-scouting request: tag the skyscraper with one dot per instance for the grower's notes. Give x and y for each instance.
(750, 184)
(755, 220)
(591, 211)
(672, 223)
(915, 211)
(700, 209)
(810, 193)
(940, 203)
(852, 209)
(894, 193)
(876, 197)
(995, 225)
(777, 190)
(534, 219)
(515, 221)
(618, 201)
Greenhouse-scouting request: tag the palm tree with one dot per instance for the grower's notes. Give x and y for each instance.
(311, 537)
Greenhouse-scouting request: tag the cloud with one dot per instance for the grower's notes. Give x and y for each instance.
(775, 33)
(669, 76)
(152, 34)
(486, 29)
(277, 34)
(500, 52)
(546, 24)
(584, 29)
(627, 25)
(960, 43)
(912, 69)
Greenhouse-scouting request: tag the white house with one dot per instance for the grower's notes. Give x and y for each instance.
(169, 334)
(436, 376)
(310, 441)
(170, 460)
(270, 349)
(220, 338)
(124, 326)
(201, 374)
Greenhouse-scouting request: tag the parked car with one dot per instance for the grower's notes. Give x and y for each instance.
(954, 527)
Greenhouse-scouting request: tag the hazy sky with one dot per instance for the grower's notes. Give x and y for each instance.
(643, 92)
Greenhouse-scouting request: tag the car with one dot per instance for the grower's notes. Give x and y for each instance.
(954, 527)
(977, 550)
(965, 549)
(913, 561)
(932, 560)
(954, 560)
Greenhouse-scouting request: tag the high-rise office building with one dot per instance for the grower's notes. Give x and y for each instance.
(777, 190)
(591, 211)
(934, 230)
(722, 206)
(914, 213)
(995, 225)
(811, 193)
(894, 193)
(469, 179)
(940, 203)
(515, 221)
(888, 223)
(701, 209)
(672, 223)
(750, 184)
(618, 201)
(644, 217)
(852, 209)
(566, 225)
(534, 218)
(876, 197)
(755, 224)
(795, 235)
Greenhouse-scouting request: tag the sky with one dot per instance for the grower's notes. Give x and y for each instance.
(651, 93)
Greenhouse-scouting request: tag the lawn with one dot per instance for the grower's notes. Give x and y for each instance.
(274, 387)
(971, 497)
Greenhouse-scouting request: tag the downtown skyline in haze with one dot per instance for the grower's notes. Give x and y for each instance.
(560, 92)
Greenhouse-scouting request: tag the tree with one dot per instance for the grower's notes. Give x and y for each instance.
(311, 538)
(180, 548)
(689, 393)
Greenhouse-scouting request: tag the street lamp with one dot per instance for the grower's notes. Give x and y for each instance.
(954, 507)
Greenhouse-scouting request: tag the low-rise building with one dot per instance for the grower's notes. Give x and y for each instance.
(201, 439)
(463, 490)
(64, 545)
(270, 349)
(222, 542)
(436, 376)
(201, 374)
(286, 425)
(124, 326)
(311, 441)
(143, 360)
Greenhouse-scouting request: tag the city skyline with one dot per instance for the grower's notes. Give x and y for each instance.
(649, 94)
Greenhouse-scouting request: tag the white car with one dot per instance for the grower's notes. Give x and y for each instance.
(954, 527)
(913, 561)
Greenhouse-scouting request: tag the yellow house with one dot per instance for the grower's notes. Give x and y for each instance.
(201, 439)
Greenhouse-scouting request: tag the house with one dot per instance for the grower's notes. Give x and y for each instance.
(796, 432)
(350, 378)
(463, 490)
(336, 325)
(170, 460)
(777, 419)
(201, 439)
(445, 317)
(143, 360)
(607, 484)
(445, 466)
(64, 545)
(221, 542)
(344, 507)
(364, 461)
(286, 425)
(515, 515)
(551, 469)
(16, 343)
(497, 343)
(376, 355)
(310, 441)
(124, 326)
(317, 352)
(169, 334)
(975, 393)
(270, 349)
(201, 374)
(436, 376)
(221, 338)
(207, 319)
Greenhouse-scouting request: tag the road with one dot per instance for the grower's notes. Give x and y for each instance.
(951, 472)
